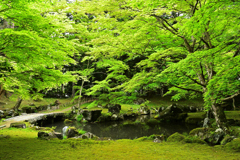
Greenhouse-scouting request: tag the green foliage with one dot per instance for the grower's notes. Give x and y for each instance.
(79, 117)
(81, 131)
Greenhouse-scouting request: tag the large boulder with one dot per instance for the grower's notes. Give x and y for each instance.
(72, 132)
(209, 135)
(18, 125)
(64, 130)
(114, 108)
(91, 115)
(172, 113)
(49, 135)
(29, 109)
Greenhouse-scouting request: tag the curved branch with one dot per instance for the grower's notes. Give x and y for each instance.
(232, 96)
(187, 89)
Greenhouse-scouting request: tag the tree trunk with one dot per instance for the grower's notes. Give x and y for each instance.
(234, 107)
(220, 117)
(17, 105)
(80, 96)
(73, 90)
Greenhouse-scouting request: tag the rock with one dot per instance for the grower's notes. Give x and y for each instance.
(227, 139)
(105, 117)
(156, 140)
(114, 117)
(58, 135)
(57, 103)
(29, 109)
(1, 114)
(144, 110)
(11, 112)
(162, 108)
(64, 130)
(139, 101)
(88, 135)
(206, 122)
(129, 115)
(172, 113)
(209, 135)
(43, 135)
(91, 115)
(48, 135)
(176, 137)
(114, 108)
(18, 125)
(72, 132)
(233, 145)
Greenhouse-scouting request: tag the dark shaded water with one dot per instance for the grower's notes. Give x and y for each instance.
(128, 129)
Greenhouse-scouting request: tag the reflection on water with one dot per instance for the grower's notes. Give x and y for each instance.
(128, 129)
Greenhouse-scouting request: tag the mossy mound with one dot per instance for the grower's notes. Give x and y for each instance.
(227, 139)
(193, 139)
(176, 137)
(234, 145)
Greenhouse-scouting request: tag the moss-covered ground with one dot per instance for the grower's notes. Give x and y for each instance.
(23, 144)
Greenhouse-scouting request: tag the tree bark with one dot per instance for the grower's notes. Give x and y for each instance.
(17, 105)
(220, 117)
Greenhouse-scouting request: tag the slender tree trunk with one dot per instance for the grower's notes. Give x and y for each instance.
(234, 107)
(220, 117)
(80, 96)
(73, 90)
(17, 105)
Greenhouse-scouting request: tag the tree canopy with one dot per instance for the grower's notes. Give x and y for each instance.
(124, 48)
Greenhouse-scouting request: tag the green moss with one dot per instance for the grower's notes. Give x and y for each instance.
(234, 145)
(176, 137)
(24, 143)
(193, 139)
(226, 139)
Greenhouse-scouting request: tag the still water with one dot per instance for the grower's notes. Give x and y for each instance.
(128, 129)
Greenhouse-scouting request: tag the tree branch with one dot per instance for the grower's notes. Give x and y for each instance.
(205, 42)
(195, 7)
(195, 81)
(236, 52)
(187, 89)
(232, 96)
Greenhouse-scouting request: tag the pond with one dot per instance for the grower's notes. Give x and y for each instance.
(128, 129)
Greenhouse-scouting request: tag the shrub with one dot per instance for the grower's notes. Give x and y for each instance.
(79, 117)
(81, 131)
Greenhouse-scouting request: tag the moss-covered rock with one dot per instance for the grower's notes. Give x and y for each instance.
(210, 135)
(227, 139)
(105, 117)
(233, 145)
(72, 132)
(176, 137)
(194, 139)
